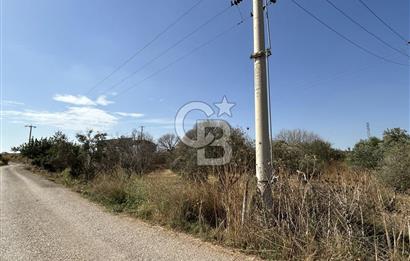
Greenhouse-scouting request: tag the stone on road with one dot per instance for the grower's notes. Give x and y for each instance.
(40, 220)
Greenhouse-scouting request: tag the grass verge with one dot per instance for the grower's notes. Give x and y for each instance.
(342, 215)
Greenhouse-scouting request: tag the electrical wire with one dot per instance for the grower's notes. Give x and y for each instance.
(238, 7)
(346, 38)
(182, 57)
(365, 29)
(268, 80)
(383, 22)
(156, 37)
(187, 36)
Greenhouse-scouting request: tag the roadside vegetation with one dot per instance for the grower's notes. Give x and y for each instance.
(328, 204)
(4, 159)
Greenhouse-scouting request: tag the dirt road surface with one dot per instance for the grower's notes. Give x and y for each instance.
(41, 220)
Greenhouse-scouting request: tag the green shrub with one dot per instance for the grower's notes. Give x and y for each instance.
(4, 160)
(395, 169)
(367, 153)
(370, 153)
(394, 137)
(298, 150)
(54, 154)
(243, 156)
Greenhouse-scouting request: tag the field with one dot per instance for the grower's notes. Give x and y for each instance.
(343, 215)
(327, 203)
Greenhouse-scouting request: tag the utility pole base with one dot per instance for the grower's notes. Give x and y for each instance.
(265, 191)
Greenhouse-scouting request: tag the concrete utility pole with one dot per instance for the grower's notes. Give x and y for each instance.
(263, 142)
(31, 128)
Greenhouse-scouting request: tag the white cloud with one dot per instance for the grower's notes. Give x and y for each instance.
(76, 100)
(74, 118)
(130, 114)
(102, 100)
(160, 121)
(82, 100)
(11, 103)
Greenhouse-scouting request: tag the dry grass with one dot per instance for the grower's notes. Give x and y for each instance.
(342, 215)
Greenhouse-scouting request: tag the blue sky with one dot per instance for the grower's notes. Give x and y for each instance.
(54, 52)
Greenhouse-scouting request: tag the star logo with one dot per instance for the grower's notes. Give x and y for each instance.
(225, 107)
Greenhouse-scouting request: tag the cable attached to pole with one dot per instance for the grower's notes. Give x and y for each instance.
(267, 3)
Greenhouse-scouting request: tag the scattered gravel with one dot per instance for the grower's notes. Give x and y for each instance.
(40, 220)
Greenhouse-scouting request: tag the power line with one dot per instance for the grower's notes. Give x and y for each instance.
(383, 22)
(268, 29)
(197, 29)
(238, 7)
(129, 59)
(345, 37)
(366, 30)
(183, 57)
(304, 85)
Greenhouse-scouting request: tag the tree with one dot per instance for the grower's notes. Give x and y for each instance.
(370, 153)
(395, 136)
(168, 142)
(242, 161)
(64, 154)
(367, 153)
(300, 151)
(139, 135)
(54, 154)
(133, 156)
(395, 167)
(92, 146)
(297, 136)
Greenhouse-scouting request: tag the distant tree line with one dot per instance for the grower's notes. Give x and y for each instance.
(92, 153)
(388, 157)
(294, 152)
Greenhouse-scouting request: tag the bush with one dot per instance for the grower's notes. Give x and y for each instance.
(4, 160)
(298, 150)
(131, 155)
(394, 137)
(367, 153)
(395, 169)
(370, 153)
(54, 154)
(243, 156)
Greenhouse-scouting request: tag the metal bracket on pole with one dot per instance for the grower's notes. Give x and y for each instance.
(265, 53)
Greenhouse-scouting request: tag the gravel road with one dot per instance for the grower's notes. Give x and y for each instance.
(41, 220)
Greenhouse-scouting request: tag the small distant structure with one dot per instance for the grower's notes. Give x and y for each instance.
(368, 130)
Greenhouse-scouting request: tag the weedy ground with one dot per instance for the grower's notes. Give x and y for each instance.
(344, 214)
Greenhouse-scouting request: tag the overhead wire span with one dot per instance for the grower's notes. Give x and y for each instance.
(156, 37)
(385, 23)
(345, 37)
(365, 29)
(238, 7)
(268, 29)
(177, 43)
(182, 57)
